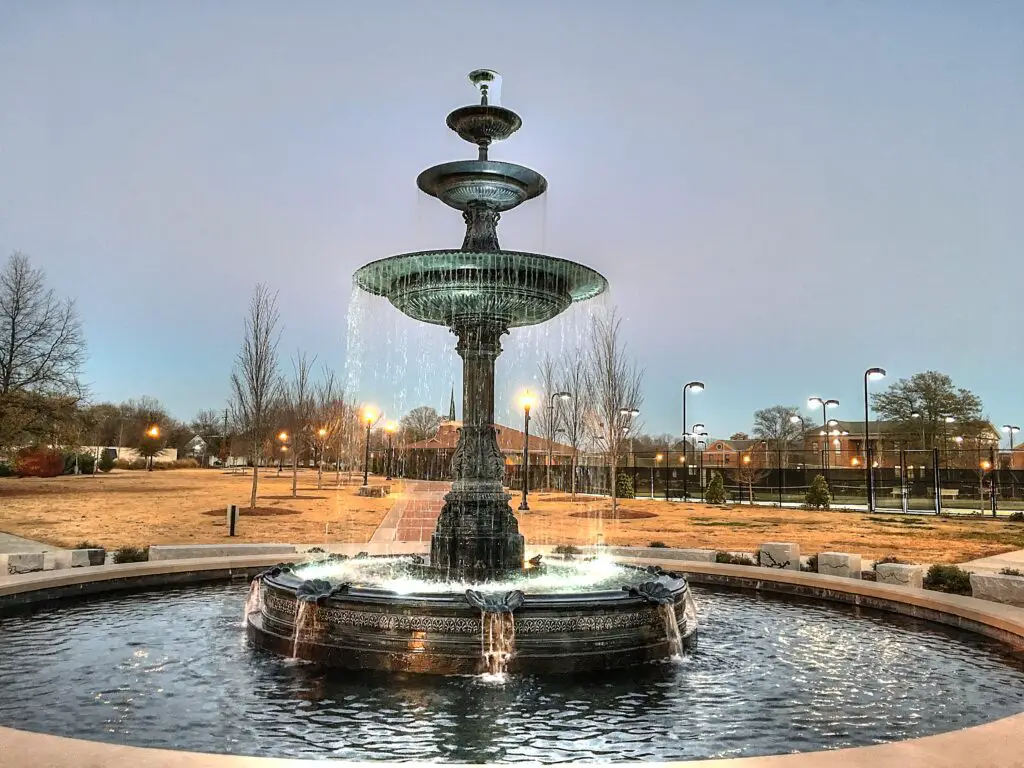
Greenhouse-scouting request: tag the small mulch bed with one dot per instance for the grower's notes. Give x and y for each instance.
(257, 512)
(289, 496)
(607, 514)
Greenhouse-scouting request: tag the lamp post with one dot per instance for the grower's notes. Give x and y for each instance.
(526, 400)
(283, 439)
(369, 416)
(154, 433)
(657, 461)
(696, 386)
(870, 373)
(947, 419)
(552, 430)
(1011, 430)
(389, 460)
(814, 402)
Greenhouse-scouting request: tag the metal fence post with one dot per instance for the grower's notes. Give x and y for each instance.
(995, 480)
(904, 491)
(936, 481)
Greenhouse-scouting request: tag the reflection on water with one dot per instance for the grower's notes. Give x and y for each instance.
(171, 669)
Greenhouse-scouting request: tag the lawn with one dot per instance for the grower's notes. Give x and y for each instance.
(169, 506)
(140, 508)
(928, 539)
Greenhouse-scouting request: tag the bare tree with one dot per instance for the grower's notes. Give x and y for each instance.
(300, 403)
(777, 426)
(548, 415)
(41, 349)
(329, 421)
(752, 468)
(575, 411)
(420, 423)
(254, 382)
(614, 382)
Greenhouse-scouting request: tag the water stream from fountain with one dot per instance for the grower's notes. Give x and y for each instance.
(305, 623)
(254, 601)
(498, 640)
(668, 618)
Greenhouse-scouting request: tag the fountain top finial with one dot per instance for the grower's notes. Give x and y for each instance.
(488, 82)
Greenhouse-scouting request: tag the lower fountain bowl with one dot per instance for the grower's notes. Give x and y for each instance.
(442, 633)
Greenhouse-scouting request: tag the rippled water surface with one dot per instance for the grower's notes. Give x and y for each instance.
(172, 669)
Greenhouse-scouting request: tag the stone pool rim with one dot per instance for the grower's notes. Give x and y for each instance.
(992, 744)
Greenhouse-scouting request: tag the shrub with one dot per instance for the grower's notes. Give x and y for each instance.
(949, 579)
(1011, 572)
(1016, 517)
(730, 559)
(812, 565)
(88, 545)
(106, 462)
(887, 559)
(85, 463)
(39, 462)
(624, 486)
(658, 545)
(818, 495)
(715, 493)
(131, 555)
(567, 549)
(5, 469)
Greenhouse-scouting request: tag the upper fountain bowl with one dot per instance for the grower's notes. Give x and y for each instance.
(489, 183)
(481, 124)
(511, 287)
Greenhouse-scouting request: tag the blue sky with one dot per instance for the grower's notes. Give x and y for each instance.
(781, 194)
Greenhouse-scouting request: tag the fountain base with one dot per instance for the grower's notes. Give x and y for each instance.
(443, 633)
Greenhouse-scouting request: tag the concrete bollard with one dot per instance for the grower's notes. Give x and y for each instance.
(25, 562)
(998, 588)
(839, 564)
(779, 554)
(900, 574)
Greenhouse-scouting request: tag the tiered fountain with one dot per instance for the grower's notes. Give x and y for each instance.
(477, 605)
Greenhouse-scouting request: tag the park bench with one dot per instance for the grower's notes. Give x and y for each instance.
(674, 493)
(944, 493)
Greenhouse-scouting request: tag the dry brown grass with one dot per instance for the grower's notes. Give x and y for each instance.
(166, 507)
(916, 538)
(140, 508)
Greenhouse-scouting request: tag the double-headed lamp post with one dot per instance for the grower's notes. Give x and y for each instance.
(1011, 430)
(370, 416)
(814, 402)
(154, 433)
(526, 400)
(391, 427)
(869, 474)
(696, 386)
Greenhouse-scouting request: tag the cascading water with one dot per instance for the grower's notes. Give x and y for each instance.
(305, 623)
(254, 602)
(668, 618)
(498, 640)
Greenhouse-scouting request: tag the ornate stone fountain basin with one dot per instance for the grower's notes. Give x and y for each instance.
(443, 632)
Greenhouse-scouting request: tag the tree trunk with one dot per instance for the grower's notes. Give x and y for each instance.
(255, 483)
(320, 469)
(295, 470)
(572, 468)
(615, 500)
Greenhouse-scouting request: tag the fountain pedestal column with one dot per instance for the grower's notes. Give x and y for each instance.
(477, 535)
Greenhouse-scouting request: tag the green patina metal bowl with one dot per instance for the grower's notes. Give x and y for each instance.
(515, 288)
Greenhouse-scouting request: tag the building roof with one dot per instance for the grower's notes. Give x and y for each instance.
(509, 440)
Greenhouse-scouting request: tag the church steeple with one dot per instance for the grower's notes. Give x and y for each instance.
(451, 408)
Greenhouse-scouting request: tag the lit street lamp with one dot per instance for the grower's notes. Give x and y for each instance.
(526, 400)
(154, 433)
(657, 461)
(870, 373)
(283, 439)
(825, 405)
(390, 428)
(370, 416)
(696, 386)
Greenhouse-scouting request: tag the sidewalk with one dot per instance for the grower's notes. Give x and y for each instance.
(15, 544)
(996, 563)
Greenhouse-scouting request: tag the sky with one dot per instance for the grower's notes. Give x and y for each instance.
(781, 194)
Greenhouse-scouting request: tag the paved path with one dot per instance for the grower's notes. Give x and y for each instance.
(996, 563)
(415, 514)
(10, 543)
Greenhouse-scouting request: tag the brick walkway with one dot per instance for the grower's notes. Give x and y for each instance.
(415, 514)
